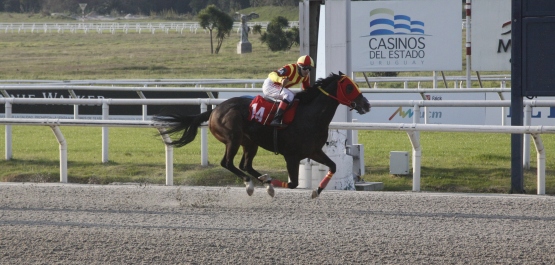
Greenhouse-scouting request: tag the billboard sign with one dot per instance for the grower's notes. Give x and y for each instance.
(491, 35)
(406, 35)
(127, 112)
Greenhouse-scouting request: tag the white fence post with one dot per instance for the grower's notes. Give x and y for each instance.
(414, 137)
(169, 157)
(540, 163)
(8, 132)
(145, 107)
(76, 106)
(526, 142)
(203, 139)
(105, 116)
(63, 152)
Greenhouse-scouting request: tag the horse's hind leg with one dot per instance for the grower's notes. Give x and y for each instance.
(227, 162)
(249, 152)
(226, 123)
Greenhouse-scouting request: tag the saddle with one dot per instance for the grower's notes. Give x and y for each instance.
(263, 109)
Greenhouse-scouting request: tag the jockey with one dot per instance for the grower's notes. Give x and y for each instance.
(277, 84)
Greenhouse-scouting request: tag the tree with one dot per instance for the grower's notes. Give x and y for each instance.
(197, 5)
(29, 6)
(293, 37)
(276, 38)
(258, 3)
(60, 6)
(212, 18)
(11, 6)
(257, 29)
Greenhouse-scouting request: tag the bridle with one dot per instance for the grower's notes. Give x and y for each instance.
(342, 98)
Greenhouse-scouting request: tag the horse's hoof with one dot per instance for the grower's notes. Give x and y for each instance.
(315, 194)
(250, 187)
(265, 178)
(270, 189)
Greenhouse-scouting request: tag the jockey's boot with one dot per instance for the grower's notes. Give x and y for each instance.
(278, 118)
(277, 121)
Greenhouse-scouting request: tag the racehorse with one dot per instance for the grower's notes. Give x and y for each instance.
(232, 124)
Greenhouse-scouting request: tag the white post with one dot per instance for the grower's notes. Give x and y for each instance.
(145, 112)
(541, 163)
(75, 107)
(416, 117)
(308, 173)
(337, 57)
(416, 159)
(8, 132)
(169, 165)
(105, 114)
(169, 158)
(416, 150)
(305, 166)
(417, 114)
(63, 152)
(145, 107)
(526, 147)
(75, 112)
(203, 139)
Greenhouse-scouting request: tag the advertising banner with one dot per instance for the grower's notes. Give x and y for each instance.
(434, 115)
(491, 35)
(127, 112)
(396, 36)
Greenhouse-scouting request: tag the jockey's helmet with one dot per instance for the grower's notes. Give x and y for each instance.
(305, 61)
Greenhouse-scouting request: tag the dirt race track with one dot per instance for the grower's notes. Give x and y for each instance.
(134, 224)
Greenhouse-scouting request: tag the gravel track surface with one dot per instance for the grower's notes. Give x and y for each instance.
(134, 224)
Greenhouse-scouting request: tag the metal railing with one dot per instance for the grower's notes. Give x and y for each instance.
(373, 82)
(411, 128)
(113, 27)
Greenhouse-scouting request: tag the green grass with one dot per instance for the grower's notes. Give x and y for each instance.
(131, 56)
(461, 162)
(464, 162)
(136, 155)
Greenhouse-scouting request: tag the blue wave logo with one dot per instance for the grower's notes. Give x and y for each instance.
(383, 21)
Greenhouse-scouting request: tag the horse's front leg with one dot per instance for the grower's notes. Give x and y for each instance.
(321, 157)
(292, 170)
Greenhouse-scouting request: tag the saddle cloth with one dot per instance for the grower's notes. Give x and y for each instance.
(262, 111)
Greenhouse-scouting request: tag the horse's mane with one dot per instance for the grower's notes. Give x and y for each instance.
(307, 95)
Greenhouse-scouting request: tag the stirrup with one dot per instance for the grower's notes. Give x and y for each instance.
(278, 124)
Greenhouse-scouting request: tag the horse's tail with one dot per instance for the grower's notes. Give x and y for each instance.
(187, 123)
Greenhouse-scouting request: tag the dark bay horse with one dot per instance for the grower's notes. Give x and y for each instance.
(304, 138)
